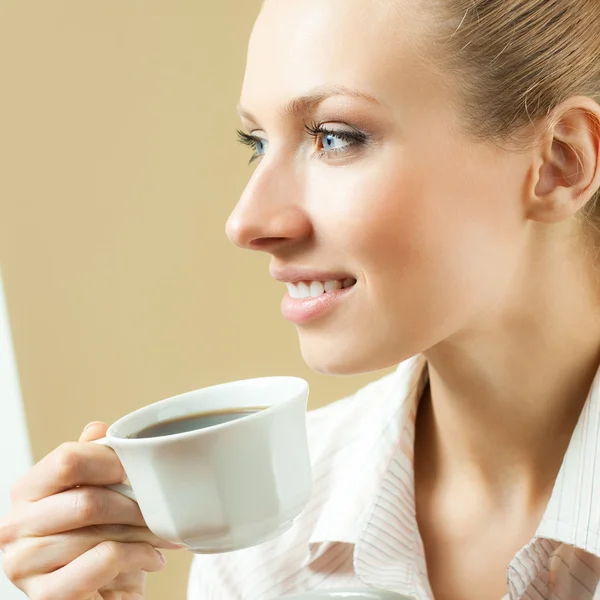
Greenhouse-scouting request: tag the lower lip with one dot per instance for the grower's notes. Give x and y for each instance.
(305, 310)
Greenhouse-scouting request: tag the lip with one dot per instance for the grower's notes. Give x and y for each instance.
(305, 310)
(297, 274)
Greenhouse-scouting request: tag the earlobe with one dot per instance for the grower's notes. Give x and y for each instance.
(566, 169)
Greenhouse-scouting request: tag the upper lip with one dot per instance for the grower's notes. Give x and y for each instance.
(297, 274)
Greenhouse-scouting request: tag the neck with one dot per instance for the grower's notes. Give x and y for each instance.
(505, 393)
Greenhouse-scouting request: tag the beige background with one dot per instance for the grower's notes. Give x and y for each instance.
(118, 168)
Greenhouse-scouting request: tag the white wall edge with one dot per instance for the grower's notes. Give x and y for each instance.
(15, 450)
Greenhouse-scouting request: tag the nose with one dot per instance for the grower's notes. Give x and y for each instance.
(269, 215)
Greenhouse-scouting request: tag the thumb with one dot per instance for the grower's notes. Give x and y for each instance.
(93, 431)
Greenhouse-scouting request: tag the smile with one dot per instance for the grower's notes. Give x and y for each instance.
(314, 289)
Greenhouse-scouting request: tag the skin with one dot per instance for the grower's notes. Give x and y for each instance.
(466, 252)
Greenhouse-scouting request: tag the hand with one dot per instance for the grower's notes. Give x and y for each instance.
(68, 538)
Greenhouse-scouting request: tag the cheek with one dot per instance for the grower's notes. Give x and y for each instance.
(435, 231)
(446, 234)
(366, 211)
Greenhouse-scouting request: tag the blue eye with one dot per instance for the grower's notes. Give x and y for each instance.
(333, 141)
(260, 146)
(257, 144)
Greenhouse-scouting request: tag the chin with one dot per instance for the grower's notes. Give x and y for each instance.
(344, 358)
(357, 351)
(330, 365)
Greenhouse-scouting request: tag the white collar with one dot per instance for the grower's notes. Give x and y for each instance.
(573, 512)
(356, 483)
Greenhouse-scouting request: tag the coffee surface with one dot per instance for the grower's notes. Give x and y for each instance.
(195, 421)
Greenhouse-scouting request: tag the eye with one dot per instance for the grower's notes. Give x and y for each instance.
(257, 144)
(334, 141)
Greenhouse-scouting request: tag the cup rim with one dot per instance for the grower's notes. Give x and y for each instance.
(303, 387)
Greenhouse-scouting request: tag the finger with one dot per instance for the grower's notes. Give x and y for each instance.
(73, 509)
(93, 431)
(37, 556)
(95, 569)
(70, 465)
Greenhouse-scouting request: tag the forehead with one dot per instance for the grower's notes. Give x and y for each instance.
(298, 45)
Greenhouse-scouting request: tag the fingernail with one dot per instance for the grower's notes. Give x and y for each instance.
(161, 555)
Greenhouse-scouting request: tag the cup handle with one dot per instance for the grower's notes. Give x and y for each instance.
(122, 488)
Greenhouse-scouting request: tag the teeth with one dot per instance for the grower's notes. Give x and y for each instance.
(292, 290)
(314, 289)
(303, 290)
(333, 285)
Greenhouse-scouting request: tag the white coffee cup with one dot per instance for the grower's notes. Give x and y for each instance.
(227, 486)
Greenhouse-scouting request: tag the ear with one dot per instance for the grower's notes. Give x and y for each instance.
(566, 170)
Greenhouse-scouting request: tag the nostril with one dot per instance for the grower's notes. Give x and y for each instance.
(266, 242)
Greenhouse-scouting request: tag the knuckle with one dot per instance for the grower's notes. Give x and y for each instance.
(68, 464)
(90, 505)
(7, 532)
(17, 562)
(10, 566)
(109, 551)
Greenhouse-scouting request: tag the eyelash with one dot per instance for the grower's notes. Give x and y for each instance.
(250, 141)
(315, 130)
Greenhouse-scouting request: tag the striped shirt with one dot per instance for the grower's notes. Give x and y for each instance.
(360, 528)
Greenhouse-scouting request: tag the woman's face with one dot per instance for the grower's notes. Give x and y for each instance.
(364, 180)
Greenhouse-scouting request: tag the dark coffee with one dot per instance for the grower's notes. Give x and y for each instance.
(195, 421)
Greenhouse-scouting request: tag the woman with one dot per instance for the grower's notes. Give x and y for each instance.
(426, 184)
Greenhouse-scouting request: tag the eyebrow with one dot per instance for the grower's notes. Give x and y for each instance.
(303, 104)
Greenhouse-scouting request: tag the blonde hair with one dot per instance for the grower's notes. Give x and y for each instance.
(519, 59)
